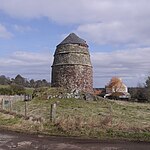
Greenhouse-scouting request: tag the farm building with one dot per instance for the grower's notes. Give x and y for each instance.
(116, 88)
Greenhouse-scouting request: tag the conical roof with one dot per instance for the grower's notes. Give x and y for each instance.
(72, 38)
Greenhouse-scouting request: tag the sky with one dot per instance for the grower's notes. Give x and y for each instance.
(117, 32)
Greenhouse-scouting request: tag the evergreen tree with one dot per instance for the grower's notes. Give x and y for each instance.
(4, 80)
(147, 85)
(19, 80)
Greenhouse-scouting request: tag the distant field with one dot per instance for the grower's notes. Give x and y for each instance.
(27, 90)
(4, 86)
(101, 119)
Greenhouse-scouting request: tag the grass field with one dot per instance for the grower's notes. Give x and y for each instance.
(4, 86)
(100, 119)
(27, 90)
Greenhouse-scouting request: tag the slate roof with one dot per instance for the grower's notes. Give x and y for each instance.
(72, 38)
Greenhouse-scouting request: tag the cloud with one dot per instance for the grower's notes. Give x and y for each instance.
(4, 34)
(22, 29)
(106, 22)
(101, 21)
(117, 32)
(79, 12)
(31, 65)
(132, 65)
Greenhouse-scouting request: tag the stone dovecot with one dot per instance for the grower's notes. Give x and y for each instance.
(72, 67)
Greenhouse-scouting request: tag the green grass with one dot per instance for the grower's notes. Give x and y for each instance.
(4, 86)
(8, 121)
(101, 119)
(29, 91)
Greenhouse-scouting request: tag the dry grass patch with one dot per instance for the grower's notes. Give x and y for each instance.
(103, 118)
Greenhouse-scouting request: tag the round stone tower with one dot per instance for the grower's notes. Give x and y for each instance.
(72, 67)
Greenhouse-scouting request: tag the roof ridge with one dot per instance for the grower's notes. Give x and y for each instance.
(72, 38)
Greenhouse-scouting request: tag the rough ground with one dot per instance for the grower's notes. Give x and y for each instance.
(18, 141)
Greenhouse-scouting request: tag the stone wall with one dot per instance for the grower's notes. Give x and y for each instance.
(73, 77)
(72, 68)
(72, 54)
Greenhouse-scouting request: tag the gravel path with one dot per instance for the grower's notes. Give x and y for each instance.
(18, 141)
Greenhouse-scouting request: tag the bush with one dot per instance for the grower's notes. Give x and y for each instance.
(5, 91)
(12, 90)
(17, 89)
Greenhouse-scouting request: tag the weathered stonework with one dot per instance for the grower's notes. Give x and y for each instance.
(72, 67)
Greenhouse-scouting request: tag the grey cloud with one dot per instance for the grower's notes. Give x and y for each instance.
(22, 29)
(101, 21)
(4, 33)
(132, 65)
(27, 57)
(131, 33)
(80, 11)
(31, 65)
(115, 22)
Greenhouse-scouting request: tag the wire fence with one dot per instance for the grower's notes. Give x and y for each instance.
(20, 105)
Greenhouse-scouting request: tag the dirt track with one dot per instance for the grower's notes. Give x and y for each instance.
(19, 141)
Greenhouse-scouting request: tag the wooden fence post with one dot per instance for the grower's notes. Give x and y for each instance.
(2, 104)
(10, 105)
(53, 113)
(25, 109)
